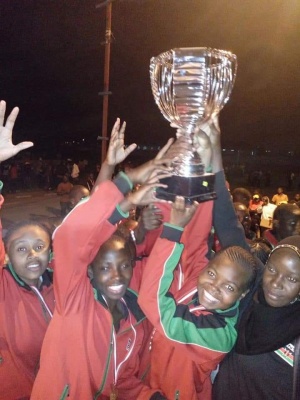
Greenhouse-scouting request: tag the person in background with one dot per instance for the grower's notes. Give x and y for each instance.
(77, 193)
(241, 195)
(255, 210)
(75, 172)
(261, 249)
(26, 291)
(63, 191)
(280, 197)
(297, 199)
(90, 182)
(256, 203)
(13, 177)
(243, 215)
(286, 222)
(266, 221)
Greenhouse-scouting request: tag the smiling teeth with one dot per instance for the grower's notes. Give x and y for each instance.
(116, 288)
(33, 266)
(209, 296)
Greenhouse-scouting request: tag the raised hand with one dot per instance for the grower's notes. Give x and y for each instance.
(144, 195)
(159, 167)
(7, 149)
(212, 129)
(151, 217)
(117, 152)
(181, 214)
(200, 143)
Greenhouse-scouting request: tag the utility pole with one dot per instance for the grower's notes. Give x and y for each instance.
(106, 92)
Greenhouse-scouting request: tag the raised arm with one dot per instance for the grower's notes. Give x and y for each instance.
(228, 229)
(8, 150)
(199, 334)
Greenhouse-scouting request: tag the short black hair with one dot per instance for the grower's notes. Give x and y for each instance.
(22, 224)
(123, 233)
(260, 250)
(244, 258)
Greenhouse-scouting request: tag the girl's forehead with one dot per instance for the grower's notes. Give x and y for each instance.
(285, 257)
(29, 232)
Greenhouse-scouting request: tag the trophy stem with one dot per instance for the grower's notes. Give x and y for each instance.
(189, 164)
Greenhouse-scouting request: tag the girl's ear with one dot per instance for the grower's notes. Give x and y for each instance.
(90, 273)
(6, 259)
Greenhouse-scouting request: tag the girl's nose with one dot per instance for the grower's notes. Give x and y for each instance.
(277, 282)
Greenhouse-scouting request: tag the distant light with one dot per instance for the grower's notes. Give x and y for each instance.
(232, 150)
(223, 149)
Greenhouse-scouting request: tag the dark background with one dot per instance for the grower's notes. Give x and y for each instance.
(51, 66)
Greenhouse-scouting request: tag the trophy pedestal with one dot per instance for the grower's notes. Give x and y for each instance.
(200, 188)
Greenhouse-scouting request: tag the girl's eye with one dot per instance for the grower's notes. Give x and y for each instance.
(291, 279)
(270, 268)
(210, 273)
(40, 247)
(21, 249)
(230, 288)
(125, 266)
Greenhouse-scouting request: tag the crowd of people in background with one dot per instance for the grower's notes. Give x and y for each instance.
(45, 174)
(135, 297)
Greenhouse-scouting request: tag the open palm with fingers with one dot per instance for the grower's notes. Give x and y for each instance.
(7, 148)
(117, 152)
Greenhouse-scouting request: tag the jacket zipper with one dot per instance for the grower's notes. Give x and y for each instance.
(107, 365)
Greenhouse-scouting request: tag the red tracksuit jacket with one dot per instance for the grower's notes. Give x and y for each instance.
(77, 360)
(23, 323)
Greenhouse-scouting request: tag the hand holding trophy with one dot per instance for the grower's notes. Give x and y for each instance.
(190, 86)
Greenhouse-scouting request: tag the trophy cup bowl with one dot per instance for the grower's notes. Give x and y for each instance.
(190, 85)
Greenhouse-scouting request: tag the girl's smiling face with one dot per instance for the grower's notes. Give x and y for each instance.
(28, 250)
(112, 270)
(281, 278)
(222, 283)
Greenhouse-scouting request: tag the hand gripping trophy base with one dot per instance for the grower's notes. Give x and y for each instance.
(199, 188)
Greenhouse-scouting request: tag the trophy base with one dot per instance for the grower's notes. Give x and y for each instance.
(200, 188)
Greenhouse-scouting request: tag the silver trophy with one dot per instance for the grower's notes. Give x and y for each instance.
(190, 85)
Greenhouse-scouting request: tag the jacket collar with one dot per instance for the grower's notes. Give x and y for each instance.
(46, 278)
(131, 304)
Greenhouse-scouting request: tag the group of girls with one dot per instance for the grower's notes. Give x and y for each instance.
(96, 339)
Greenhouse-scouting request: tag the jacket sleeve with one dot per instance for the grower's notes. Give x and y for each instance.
(228, 229)
(2, 249)
(198, 334)
(76, 242)
(195, 238)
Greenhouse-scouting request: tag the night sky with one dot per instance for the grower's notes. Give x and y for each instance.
(51, 66)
